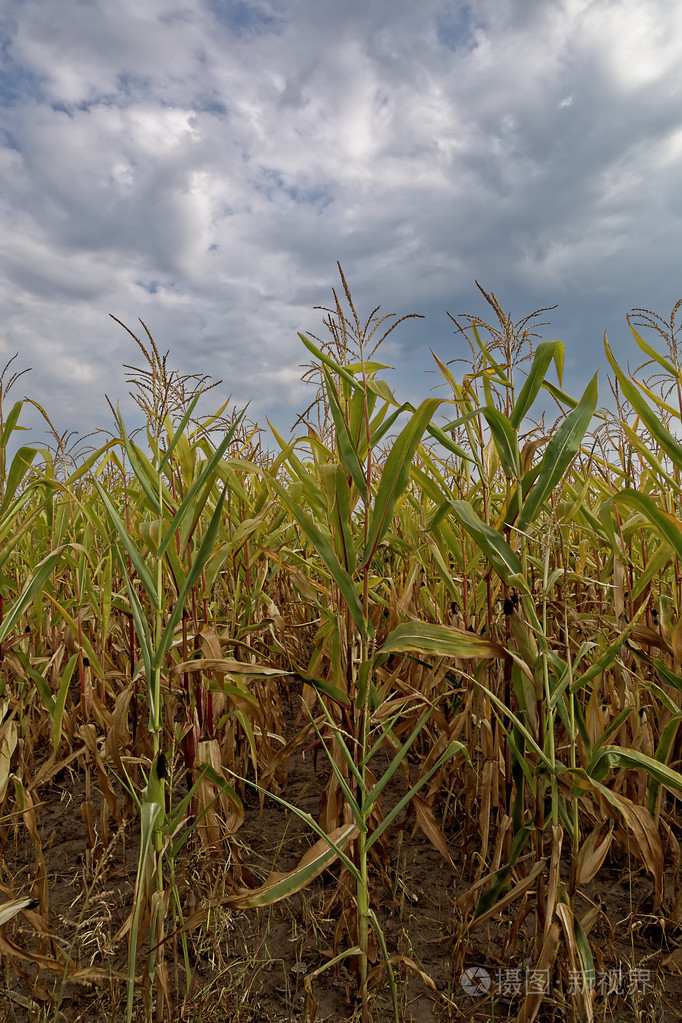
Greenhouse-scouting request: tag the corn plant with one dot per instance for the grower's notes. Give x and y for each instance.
(350, 509)
(167, 532)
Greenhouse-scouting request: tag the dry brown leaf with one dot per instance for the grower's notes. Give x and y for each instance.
(583, 998)
(431, 828)
(88, 734)
(411, 965)
(8, 910)
(210, 798)
(554, 877)
(9, 737)
(61, 967)
(643, 828)
(118, 734)
(516, 892)
(548, 953)
(673, 961)
(592, 852)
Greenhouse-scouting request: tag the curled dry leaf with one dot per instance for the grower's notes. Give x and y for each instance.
(583, 995)
(515, 893)
(9, 736)
(210, 799)
(8, 910)
(542, 968)
(431, 828)
(281, 884)
(593, 852)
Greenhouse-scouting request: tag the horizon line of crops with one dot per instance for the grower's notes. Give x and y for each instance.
(498, 600)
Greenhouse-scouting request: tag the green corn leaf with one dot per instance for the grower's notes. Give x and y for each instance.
(611, 729)
(648, 456)
(560, 452)
(313, 494)
(425, 638)
(505, 441)
(653, 354)
(486, 353)
(663, 751)
(143, 473)
(609, 757)
(650, 419)
(605, 660)
(334, 366)
(178, 815)
(60, 702)
(665, 525)
(487, 902)
(381, 389)
(151, 815)
(347, 761)
(395, 475)
(201, 557)
(32, 588)
(144, 637)
(660, 694)
(208, 422)
(368, 366)
(179, 432)
(561, 396)
(473, 414)
(281, 885)
(203, 481)
(396, 762)
(342, 521)
(321, 685)
(177, 569)
(10, 424)
(323, 544)
(448, 443)
(658, 400)
(19, 467)
(550, 767)
(452, 750)
(503, 559)
(143, 573)
(582, 943)
(359, 406)
(385, 425)
(102, 455)
(88, 648)
(41, 683)
(444, 569)
(105, 590)
(311, 822)
(15, 522)
(348, 453)
(544, 353)
(335, 486)
(667, 677)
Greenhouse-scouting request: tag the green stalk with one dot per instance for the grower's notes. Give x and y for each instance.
(549, 709)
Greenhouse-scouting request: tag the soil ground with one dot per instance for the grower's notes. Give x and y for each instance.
(252, 965)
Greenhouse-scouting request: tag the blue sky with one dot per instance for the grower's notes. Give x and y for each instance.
(204, 164)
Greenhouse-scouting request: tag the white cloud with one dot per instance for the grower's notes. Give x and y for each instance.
(204, 165)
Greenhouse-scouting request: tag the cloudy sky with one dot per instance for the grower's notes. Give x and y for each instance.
(203, 164)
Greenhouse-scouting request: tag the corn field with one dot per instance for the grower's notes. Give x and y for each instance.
(244, 692)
